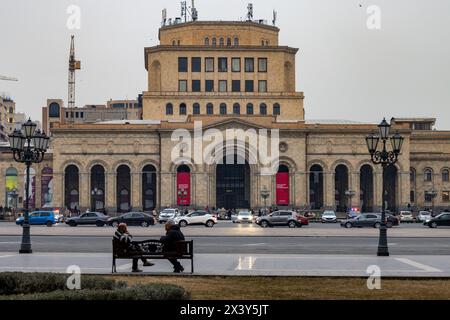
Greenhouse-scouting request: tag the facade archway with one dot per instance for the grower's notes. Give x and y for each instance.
(316, 187)
(72, 187)
(341, 186)
(366, 188)
(183, 185)
(123, 188)
(97, 191)
(391, 179)
(149, 188)
(282, 186)
(233, 184)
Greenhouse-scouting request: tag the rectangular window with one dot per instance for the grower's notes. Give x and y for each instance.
(236, 86)
(182, 85)
(209, 64)
(249, 86)
(182, 64)
(428, 197)
(196, 86)
(262, 64)
(81, 114)
(77, 115)
(236, 65)
(262, 86)
(196, 64)
(223, 64)
(223, 86)
(67, 114)
(445, 196)
(249, 65)
(209, 85)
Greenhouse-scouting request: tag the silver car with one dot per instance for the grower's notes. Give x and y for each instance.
(244, 216)
(328, 216)
(167, 214)
(280, 218)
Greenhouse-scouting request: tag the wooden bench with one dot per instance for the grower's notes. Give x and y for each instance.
(154, 249)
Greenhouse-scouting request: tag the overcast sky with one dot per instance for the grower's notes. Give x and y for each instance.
(345, 70)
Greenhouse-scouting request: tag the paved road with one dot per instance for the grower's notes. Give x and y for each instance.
(247, 245)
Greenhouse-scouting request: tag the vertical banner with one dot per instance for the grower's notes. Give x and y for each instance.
(47, 188)
(282, 181)
(183, 188)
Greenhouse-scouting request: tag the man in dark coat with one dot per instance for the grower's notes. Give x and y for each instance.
(173, 234)
(124, 241)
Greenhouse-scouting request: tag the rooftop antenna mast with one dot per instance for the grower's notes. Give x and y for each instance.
(250, 12)
(191, 11)
(274, 21)
(73, 66)
(164, 17)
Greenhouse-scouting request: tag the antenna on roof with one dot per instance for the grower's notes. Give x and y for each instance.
(274, 21)
(184, 10)
(194, 12)
(164, 17)
(250, 12)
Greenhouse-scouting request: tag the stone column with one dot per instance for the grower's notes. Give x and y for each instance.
(38, 191)
(136, 188)
(328, 181)
(355, 186)
(85, 193)
(110, 194)
(58, 189)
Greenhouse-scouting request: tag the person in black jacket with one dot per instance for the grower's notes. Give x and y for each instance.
(173, 234)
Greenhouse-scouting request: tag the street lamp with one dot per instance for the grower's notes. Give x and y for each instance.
(384, 158)
(28, 146)
(265, 194)
(432, 194)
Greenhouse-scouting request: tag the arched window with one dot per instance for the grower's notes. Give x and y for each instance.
(229, 42)
(206, 41)
(428, 175)
(412, 175)
(169, 109)
(221, 42)
(249, 108)
(236, 108)
(263, 109)
(236, 41)
(209, 108)
(223, 108)
(196, 108)
(183, 109)
(53, 110)
(445, 175)
(214, 42)
(123, 187)
(276, 109)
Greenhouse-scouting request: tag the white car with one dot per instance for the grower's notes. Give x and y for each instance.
(424, 216)
(196, 217)
(406, 216)
(244, 216)
(167, 214)
(328, 216)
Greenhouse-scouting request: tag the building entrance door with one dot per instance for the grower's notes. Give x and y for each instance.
(233, 185)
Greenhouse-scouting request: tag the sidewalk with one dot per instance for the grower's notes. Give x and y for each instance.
(239, 264)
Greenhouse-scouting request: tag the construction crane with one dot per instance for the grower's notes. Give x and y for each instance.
(8, 78)
(73, 66)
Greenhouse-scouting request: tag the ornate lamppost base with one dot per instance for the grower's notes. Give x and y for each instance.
(25, 251)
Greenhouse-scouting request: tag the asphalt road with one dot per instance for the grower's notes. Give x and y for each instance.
(254, 245)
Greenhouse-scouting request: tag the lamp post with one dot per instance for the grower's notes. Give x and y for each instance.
(350, 194)
(28, 146)
(432, 194)
(385, 158)
(265, 194)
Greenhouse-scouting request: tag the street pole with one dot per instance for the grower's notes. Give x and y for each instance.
(25, 246)
(383, 250)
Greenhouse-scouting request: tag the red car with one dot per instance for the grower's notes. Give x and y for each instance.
(302, 219)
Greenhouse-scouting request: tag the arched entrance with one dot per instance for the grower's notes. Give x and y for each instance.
(72, 187)
(341, 186)
(98, 188)
(184, 186)
(390, 180)
(282, 186)
(149, 188)
(123, 187)
(233, 185)
(316, 187)
(366, 188)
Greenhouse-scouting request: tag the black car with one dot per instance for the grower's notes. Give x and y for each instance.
(133, 219)
(369, 220)
(88, 218)
(441, 220)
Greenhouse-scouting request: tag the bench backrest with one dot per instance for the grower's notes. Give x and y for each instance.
(182, 248)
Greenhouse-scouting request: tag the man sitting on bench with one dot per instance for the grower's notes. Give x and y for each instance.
(173, 234)
(124, 241)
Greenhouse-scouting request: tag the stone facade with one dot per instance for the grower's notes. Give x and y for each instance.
(327, 164)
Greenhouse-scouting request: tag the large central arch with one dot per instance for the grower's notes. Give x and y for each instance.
(233, 184)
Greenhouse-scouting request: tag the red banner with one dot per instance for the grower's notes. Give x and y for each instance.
(282, 181)
(183, 188)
